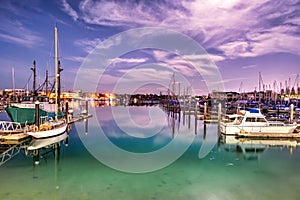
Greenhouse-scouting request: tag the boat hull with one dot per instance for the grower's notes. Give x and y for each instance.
(48, 133)
(235, 129)
(26, 115)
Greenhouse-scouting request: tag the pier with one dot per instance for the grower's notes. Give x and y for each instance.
(79, 118)
(13, 137)
(294, 136)
(8, 151)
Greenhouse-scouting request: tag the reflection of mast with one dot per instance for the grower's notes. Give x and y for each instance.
(56, 162)
(86, 126)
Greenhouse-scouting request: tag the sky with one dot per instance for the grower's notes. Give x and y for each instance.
(154, 46)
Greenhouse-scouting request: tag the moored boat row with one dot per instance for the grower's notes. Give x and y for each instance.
(252, 121)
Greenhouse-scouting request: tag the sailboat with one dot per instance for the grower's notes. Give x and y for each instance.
(50, 127)
(24, 111)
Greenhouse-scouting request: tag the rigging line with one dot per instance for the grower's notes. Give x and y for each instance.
(28, 80)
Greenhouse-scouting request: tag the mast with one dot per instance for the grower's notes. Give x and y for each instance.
(46, 81)
(59, 85)
(34, 77)
(56, 71)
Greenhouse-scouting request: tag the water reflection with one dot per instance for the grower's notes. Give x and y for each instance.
(252, 149)
(129, 136)
(221, 174)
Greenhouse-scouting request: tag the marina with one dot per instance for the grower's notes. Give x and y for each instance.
(227, 164)
(131, 100)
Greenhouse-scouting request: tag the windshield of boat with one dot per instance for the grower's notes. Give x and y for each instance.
(239, 120)
(34, 98)
(255, 119)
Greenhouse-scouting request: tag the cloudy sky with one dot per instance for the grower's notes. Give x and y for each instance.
(238, 39)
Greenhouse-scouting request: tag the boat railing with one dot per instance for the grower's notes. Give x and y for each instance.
(10, 127)
(276, 123)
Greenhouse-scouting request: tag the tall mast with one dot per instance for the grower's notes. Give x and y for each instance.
(34, 78)
(46, 81)
(56, 71)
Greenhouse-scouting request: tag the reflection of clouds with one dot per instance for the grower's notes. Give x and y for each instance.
(158, 154)
(140, 122)
(145, 122)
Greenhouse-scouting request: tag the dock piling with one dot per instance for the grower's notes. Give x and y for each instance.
(87, 107)
(37, 113)
(219, 111)
(67, 112)
(205, 110)
(292, 113)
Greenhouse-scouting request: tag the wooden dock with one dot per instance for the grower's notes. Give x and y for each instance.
(14, 138)
(294, 136)
(79, 118)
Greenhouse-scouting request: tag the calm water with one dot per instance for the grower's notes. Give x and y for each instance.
(146, 139)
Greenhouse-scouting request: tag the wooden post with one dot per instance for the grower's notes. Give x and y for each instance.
(37, 114)
(205, 110)
(67, 112)
(87, 107)
(196, 109)
(219, 111)
(292, 113)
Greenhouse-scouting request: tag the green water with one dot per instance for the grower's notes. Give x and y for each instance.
(223, 173)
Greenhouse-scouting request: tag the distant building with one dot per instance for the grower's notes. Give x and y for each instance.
(232, 96)
(216, 94)
(17, 92)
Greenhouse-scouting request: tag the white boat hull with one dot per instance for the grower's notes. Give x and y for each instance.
(48, 133)
(235, 129)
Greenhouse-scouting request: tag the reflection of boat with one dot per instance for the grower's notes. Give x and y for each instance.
(253, 121)
(249, 150)
(252, 149)
(40, 143)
